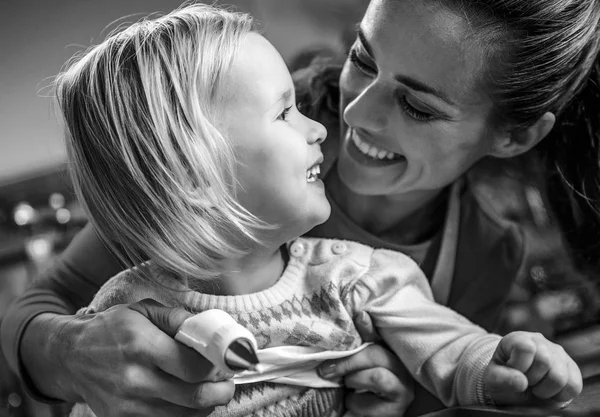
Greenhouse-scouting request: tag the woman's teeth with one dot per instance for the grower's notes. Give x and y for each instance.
(313, 173)
(372, 150)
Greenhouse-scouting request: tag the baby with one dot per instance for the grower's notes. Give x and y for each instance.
(194, 163)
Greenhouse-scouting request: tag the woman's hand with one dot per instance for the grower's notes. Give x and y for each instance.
(528, 369)
(381, 384)
(124, 361)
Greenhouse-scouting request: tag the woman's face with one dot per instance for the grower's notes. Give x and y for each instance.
(416, 115)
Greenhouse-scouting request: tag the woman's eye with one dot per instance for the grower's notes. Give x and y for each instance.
(284, 114)
(360, 64)
(413, 112)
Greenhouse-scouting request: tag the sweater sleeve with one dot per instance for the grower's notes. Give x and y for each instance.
(68, 285)
(443, 351)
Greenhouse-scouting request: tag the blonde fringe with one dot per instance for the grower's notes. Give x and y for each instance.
(148, 161)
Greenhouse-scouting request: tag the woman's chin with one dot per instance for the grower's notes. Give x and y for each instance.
(366, 176)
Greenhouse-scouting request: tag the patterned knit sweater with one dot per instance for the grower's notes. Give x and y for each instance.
(325, 283)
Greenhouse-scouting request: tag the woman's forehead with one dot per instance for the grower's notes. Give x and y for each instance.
(422, 39)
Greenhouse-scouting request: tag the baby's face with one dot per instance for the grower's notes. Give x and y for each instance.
(277, 147)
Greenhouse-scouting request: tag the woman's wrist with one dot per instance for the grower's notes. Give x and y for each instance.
(45, 343)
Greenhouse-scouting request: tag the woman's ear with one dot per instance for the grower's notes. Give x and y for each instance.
(519, 141)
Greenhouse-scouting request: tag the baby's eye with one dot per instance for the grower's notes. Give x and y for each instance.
(360, 64)
(284, 114)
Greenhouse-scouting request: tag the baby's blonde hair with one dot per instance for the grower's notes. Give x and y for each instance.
(147, 159)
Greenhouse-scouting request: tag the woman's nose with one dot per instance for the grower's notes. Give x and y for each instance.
(370, 110)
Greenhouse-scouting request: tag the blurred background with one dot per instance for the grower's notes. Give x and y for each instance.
(39, 215)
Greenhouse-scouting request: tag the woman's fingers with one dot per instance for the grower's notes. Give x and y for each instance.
(179, 360)
(365, 327)
(372, 356)
(381, 382)
(167, 319)
(131, 408)
(169, 355)
(145, 384)
(123, 361)
(367, 404)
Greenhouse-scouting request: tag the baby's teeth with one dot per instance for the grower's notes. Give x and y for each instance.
(312, 174)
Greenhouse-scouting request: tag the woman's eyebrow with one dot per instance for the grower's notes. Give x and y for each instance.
(363, 40)
(406, 80)
(424, 88)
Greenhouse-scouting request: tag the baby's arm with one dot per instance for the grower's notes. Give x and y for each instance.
(450, 356)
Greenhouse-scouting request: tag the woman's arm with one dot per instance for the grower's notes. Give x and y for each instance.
(45, 307)
(80, 358)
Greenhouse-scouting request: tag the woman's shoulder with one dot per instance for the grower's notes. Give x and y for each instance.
(500, 193)
(497, 216)
(492, 249)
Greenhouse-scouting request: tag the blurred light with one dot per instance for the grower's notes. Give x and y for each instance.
(518, 314)
(23, 214)
(39, 248)
(56, 201)
(63, 215)
(538, 274)
(552, 305)
(14, 400)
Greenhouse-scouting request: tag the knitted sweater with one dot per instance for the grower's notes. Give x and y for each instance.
(325, 283)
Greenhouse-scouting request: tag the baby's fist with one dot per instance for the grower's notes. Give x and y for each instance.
(529, 369)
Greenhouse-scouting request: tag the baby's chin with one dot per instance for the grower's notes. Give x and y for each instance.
(321, 216)
(300, 229)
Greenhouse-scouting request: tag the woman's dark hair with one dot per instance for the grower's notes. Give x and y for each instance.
(542, 56)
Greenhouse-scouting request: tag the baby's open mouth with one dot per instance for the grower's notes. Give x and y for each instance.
(312, 174)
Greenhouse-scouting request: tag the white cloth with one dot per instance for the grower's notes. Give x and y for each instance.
(294, 365)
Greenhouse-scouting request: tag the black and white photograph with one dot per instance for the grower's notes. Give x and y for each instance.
(299, 208)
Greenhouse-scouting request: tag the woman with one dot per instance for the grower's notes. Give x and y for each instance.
(434, 96)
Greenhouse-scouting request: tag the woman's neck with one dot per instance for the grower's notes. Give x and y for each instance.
(255, 272)
(402, 219)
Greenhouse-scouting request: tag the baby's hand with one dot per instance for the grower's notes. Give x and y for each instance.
(528, 369)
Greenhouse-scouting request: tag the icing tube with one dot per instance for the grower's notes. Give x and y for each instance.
(220, 339)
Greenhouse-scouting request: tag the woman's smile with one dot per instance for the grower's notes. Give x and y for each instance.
(366, 153)
(371, 150)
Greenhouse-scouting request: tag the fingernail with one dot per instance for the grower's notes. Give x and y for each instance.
(327, 371)
(565, 404)
(363, 318)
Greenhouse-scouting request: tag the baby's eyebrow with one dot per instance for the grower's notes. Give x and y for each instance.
(285, 96)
